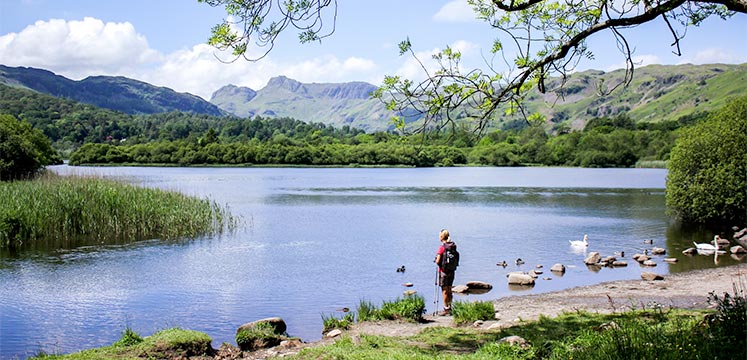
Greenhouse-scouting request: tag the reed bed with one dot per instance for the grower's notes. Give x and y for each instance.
(55, 212)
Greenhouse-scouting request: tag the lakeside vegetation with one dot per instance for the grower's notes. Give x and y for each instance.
(65, 212)
(654, 331)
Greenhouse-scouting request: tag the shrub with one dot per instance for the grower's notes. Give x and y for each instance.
(367, 311)
(707, 180)
(129, 338)
(466, 312)
(728, 325)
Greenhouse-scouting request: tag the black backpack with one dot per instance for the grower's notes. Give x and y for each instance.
(450, 257)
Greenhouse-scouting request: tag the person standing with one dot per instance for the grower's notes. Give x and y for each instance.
(447, 259)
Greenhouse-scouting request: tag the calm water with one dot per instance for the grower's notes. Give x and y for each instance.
(316, 240)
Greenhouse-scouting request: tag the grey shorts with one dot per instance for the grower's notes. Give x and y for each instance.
(445, 279)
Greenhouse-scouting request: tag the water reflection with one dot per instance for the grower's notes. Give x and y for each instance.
(317, 240)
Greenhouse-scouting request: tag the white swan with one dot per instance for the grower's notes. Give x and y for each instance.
(580, 243)
(705, 247)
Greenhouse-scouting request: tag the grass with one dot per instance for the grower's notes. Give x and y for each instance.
(166, 344)
(655, 332)
(64, 212)
(260, 336)
(652, 333)
(469, 312)
(410, 307)
(331, 322)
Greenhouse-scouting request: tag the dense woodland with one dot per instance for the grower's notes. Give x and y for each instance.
(91, 135)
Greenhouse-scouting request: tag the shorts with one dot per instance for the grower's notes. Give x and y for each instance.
(445, 278)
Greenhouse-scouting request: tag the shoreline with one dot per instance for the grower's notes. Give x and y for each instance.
(687, 290)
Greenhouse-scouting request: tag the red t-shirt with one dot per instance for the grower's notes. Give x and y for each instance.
(440, 251)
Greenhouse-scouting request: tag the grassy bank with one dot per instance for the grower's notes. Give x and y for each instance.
(64, 212)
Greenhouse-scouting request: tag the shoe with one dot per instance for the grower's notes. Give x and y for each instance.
(446, 312)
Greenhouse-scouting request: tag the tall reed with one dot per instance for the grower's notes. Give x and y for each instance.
(63, 212)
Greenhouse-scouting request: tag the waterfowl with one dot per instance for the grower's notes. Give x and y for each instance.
(580, 243)
(503, 263)
(519, 261)
(401, 269)
(703, 247)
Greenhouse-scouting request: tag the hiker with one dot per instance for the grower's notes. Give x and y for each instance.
(447, 259)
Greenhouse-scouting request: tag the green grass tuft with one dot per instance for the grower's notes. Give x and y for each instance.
(469, 312)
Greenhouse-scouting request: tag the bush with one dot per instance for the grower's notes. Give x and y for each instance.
(728, 325)
(707, 181)
(24, 151)
(129, 338)
(466, 312)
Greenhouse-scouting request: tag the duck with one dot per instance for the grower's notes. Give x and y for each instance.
(580, 243)
(503, 263)
(519, 261)
(401, 269)
(620, 253)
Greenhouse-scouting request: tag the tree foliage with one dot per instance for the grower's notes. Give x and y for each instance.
(707, 179)
(536, 40)
(23, 150)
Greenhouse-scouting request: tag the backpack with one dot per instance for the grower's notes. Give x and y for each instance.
(450, 257)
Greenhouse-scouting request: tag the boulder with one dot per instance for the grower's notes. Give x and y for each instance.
(515, 340)
(533, 274)
(520, 279)
(620, 263)
(410, 292)
(408, 284)
(558, 268)
(738, 249)
(739, 234)
(641, 258)
(277, 324)
(670, 260)
(649, 263)
(690, 251)
(609, 259)
(478, 285)
(593, 258)
(333, 333)
(658, 251)
(460, 289)
(722, 242)
(648, 276)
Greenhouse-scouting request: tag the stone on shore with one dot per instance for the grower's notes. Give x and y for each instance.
(278, 325)
(738, 249)
(249, 340)
(649, 276)
(658, 251)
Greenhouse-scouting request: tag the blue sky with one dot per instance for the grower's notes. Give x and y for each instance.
(163, 42)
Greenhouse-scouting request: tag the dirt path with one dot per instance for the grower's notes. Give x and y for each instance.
(685, 290)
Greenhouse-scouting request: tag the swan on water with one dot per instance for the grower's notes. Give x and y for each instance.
(579, 243)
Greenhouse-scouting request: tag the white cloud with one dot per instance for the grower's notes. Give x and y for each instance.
(455, 11)
(77, 48)
(714, 56)
(413, 70)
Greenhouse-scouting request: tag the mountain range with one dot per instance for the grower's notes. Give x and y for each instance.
(656, 93)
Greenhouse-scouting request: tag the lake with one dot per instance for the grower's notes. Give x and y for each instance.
(314, 240)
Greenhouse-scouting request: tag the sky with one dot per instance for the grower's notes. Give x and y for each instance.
(163, 42)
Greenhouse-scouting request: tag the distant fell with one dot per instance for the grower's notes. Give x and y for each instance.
(335, 104)
(109, 92)
(657, 93)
